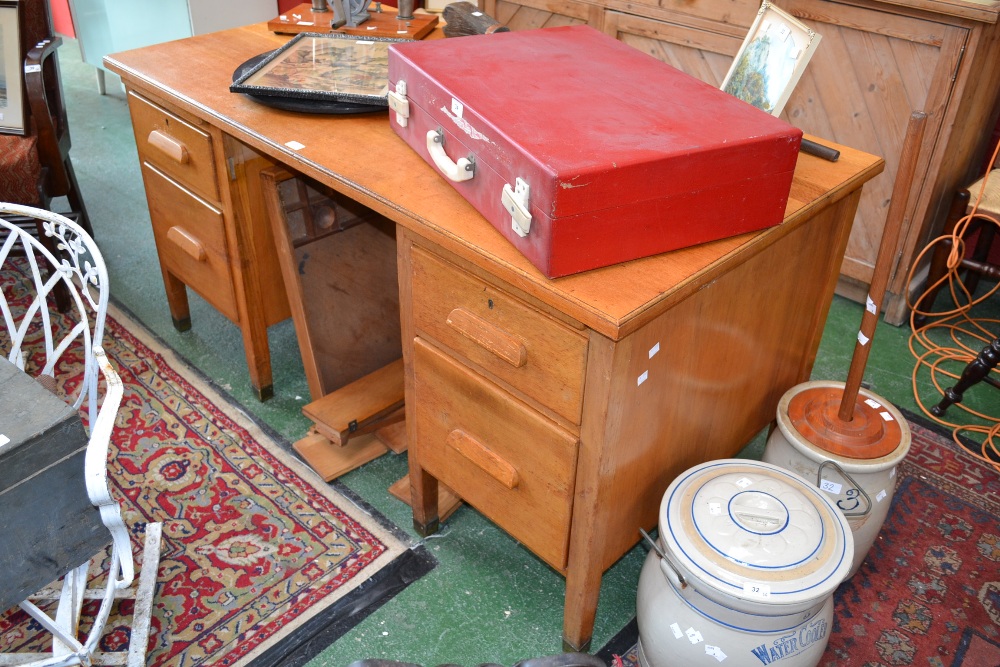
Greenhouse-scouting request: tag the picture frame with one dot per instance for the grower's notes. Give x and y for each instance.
(771, 59)
(329, 67)
(12, 97)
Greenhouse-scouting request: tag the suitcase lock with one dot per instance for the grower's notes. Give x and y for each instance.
(516, 203)
(462, 170)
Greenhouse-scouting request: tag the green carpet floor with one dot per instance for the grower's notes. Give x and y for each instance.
(488, 600)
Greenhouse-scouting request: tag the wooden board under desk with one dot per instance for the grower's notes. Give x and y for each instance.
(737, 321)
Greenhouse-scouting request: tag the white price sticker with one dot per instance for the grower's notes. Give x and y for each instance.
(831, 487)
(642, 378)
(715, 651)
(653, 350)
(3, 440)
(715, 509)
(744, 482)
(886, 416)
(873, 404)
(762, 591)
(678, 633)
(881, 495)
(694, 636)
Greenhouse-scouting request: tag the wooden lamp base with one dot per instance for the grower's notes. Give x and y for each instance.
(383, 23)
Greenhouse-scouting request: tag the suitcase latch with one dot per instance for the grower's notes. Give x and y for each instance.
(399, 103)
(516, 202)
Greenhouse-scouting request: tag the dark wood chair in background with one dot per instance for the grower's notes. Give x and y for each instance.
(974, 266)
(970, 269)
(35, 166)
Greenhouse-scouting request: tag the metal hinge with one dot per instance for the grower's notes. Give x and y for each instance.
(958, 65)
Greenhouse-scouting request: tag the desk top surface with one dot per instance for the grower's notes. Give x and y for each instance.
(362, 157)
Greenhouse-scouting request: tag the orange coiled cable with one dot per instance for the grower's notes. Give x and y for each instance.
(955, 338)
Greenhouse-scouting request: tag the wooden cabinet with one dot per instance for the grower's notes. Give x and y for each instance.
(877, 62)
(202, 189)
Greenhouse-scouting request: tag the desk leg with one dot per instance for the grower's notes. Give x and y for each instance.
(587, 547)
(424, 499)
(582, 592)
(258, 358)
(177, 300)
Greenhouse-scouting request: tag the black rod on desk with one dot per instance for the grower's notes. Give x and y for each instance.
(819, 150)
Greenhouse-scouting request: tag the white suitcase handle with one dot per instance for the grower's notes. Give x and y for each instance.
(463, 170)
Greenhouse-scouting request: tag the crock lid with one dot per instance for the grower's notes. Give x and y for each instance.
(754, 531)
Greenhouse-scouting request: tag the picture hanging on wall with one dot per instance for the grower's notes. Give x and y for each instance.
(11, 82)
(771, 59)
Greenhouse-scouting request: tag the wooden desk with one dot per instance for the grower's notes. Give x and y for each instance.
(632, 373)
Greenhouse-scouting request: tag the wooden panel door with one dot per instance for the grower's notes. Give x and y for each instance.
(530, 14)
(870, 72)
(704, 54)
(876, 64)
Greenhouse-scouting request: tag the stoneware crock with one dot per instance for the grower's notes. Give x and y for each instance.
(744, 569)
(862, 488)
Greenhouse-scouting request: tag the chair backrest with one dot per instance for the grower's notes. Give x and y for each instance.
(63, 270)
(37, 22)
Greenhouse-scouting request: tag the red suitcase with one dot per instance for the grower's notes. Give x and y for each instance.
(585, 152)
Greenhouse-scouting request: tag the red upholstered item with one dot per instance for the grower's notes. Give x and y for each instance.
(20, 170)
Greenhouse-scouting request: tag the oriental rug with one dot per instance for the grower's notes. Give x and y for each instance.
(262, 562)
(928, 593)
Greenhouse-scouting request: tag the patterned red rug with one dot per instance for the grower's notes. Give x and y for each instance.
(928, 593)
(259, 557)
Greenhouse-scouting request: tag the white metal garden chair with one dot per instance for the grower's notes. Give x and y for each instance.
(63, 260)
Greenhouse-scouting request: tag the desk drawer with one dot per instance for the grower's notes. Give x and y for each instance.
(511, 463)
(175, 146)
(190, 240)
(536, 354)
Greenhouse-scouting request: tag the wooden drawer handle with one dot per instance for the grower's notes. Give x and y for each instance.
(482, 456)
(187, 243)
(499, 342)
(172, 148)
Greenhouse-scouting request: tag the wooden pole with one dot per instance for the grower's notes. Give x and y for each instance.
(883, 262)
